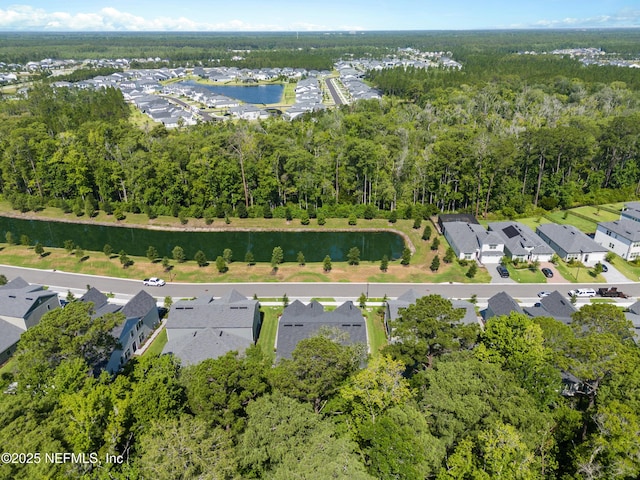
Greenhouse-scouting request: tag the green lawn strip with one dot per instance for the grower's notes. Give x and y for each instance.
(581, 224)
(575, 274)
(8, 367)
(598, 214)
(375, 329)
(602, 300)
(269, 329)
(533, 222)
(526, 275)
(158, 344)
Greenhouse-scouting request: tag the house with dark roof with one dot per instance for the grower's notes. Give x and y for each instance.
(392, 308)
(569, 243)
(521, 243)
(141, 318)
(299, 321)
(554, 305)
(471, 241)
(209, 328)
(501, 304)
(21, 307)
(620, 236)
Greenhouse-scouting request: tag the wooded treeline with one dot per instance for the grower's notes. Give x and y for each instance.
(311, 50)
(504, 146)
(444, 401)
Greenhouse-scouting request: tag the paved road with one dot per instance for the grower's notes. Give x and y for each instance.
(337, 95)
(62, 281)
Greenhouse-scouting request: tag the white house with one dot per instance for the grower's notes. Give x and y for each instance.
(571, 244)
(521, 243)
(472, 242)
(621, 237)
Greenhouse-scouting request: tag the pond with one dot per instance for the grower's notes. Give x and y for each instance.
(256, 94)
(135, 241)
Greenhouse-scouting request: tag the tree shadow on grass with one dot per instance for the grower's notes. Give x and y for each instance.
(84, 259)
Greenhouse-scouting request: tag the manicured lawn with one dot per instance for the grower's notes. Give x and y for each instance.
(269, 329)
(596, 213)
(580, 223)
(158, 344)
(8, 366)
(375, 329)
(577, 274)
(526, 275)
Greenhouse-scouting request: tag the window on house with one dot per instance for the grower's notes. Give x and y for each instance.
(611, 245)
(493, 247)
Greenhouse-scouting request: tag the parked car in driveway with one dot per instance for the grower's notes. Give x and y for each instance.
(502, 270)
(582, 292)
(604, 267)
(547, 272)
(153, 282)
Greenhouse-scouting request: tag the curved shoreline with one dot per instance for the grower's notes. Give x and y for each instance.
(208, 228)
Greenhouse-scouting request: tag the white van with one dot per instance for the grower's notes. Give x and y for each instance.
(583, 292)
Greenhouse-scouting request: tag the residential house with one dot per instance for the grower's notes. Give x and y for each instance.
(21, 307)
(472, 242)
(620, 236)
(209, 328)
(571, 244)
(141, 318)
(299, 321)
(631, 211)
(408, 298)
(554, 305)
(521, 243)
(501, 304)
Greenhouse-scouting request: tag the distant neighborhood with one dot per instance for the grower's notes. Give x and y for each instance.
(148, 91)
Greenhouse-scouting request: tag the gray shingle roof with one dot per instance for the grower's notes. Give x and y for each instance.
(201, 344)
(9, 335)
(502, 304)
(464, 235)
(205, 312)
(520, 239)
(554, 305)
(139, 306)
(625, 228)
(17, 300)
(569, 238)
(299, 321)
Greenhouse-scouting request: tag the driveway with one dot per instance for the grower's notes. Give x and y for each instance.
(557, 277)
(495, 276)
(613, 275)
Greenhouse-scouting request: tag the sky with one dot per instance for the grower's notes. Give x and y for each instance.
(313, 15)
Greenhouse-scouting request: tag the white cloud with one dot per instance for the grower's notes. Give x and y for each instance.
(24, 17)
(625, 18)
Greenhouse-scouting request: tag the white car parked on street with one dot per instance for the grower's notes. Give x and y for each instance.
(153, 282)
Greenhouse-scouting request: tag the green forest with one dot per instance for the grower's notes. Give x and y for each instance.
(443, 401)
(503, 147)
